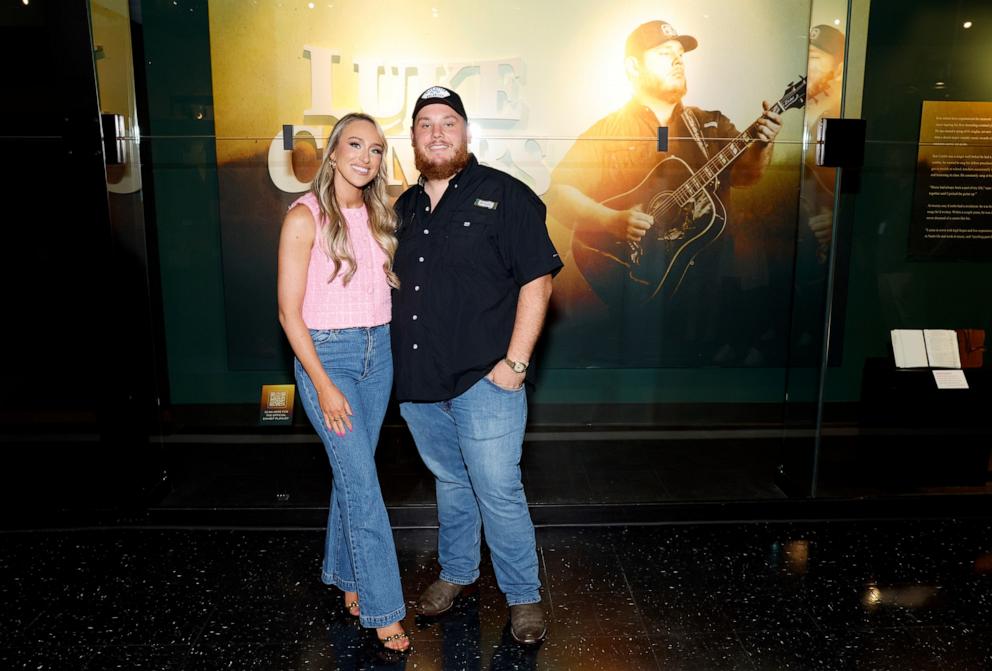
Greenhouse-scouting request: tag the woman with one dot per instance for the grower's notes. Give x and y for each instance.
(335, 274)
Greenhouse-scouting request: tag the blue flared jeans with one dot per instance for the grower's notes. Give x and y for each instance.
(472, 444)
(359, 554)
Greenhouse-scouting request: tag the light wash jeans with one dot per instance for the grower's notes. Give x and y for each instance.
(472, 444)
(359, 554)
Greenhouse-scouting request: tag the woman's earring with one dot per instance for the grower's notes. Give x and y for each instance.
(334, 164)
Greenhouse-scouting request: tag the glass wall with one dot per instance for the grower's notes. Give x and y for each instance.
(740, 350)
(917, 217)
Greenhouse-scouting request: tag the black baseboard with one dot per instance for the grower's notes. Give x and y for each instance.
(964, 506)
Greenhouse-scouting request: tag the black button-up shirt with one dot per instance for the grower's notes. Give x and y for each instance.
(461, 267)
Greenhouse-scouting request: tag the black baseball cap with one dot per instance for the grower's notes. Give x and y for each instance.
(440, 95)
(651, 34)
(828, 39)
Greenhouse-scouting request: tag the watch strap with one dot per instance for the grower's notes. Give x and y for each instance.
(515, 366)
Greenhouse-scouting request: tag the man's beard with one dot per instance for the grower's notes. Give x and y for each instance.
(436, 171)
(655, 87)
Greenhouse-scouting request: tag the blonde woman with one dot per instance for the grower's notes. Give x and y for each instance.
(335, 276)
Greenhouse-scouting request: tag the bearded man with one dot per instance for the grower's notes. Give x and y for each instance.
(615, 157)
(475, 264)
(826, 78)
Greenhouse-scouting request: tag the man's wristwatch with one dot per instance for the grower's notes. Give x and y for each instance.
(515, 366)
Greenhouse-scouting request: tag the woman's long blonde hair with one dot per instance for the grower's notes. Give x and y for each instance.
(382, 218)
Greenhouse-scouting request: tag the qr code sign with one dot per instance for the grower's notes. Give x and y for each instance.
(277, 399)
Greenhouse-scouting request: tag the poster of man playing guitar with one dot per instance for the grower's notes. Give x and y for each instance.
(649, 221)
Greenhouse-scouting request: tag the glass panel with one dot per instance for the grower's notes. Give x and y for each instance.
(921, 238)
(835, 71)
(115, 79)
(678, 386)
(741, 349)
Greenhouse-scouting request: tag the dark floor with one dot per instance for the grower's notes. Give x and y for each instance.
(901, 595)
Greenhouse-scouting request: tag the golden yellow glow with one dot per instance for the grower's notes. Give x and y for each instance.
(558, 71)
(797, 556)
(902, 596)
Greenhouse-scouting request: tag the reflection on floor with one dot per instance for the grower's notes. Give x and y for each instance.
(829, 595)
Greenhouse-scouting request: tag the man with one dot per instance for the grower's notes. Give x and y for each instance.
(826, 75)
(825, 69)
(475, 262)
(587, 187)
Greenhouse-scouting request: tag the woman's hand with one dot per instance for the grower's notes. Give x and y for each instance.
(336, 409)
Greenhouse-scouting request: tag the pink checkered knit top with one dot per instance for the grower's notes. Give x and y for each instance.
(366, 301)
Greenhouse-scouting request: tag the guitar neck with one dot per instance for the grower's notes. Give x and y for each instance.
(719, 162)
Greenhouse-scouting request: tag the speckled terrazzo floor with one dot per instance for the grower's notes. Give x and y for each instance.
(826, 595)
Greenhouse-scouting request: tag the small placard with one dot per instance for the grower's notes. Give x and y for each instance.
(662, 138)
(276, 406)
(950, 379)
(488, 204)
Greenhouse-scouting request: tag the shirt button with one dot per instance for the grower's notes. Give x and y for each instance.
(417, 288)
(421, 259)
(371, 291)
(415, 346)
(427, 209)
(426, 231)
(414, 317)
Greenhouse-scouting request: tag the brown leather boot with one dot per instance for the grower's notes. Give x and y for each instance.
(439, 596)
(527, 623)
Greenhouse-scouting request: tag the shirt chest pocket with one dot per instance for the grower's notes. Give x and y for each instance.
(407, 229)
(625, 155)
(469, 238)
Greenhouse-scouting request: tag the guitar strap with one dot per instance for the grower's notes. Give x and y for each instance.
(693, 125)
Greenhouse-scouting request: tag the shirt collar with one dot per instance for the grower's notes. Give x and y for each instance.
(634, 107)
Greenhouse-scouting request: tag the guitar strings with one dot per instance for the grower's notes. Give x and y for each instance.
(727, 155)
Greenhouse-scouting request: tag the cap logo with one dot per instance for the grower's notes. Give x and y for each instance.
(668, 30)
(814, 33)
(435, 92)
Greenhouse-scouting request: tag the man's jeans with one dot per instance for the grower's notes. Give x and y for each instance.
(472, 445)
(359, 555)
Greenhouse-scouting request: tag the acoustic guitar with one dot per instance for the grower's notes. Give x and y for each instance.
(687, 219)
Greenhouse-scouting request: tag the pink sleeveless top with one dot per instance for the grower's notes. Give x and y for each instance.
(366, 301)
